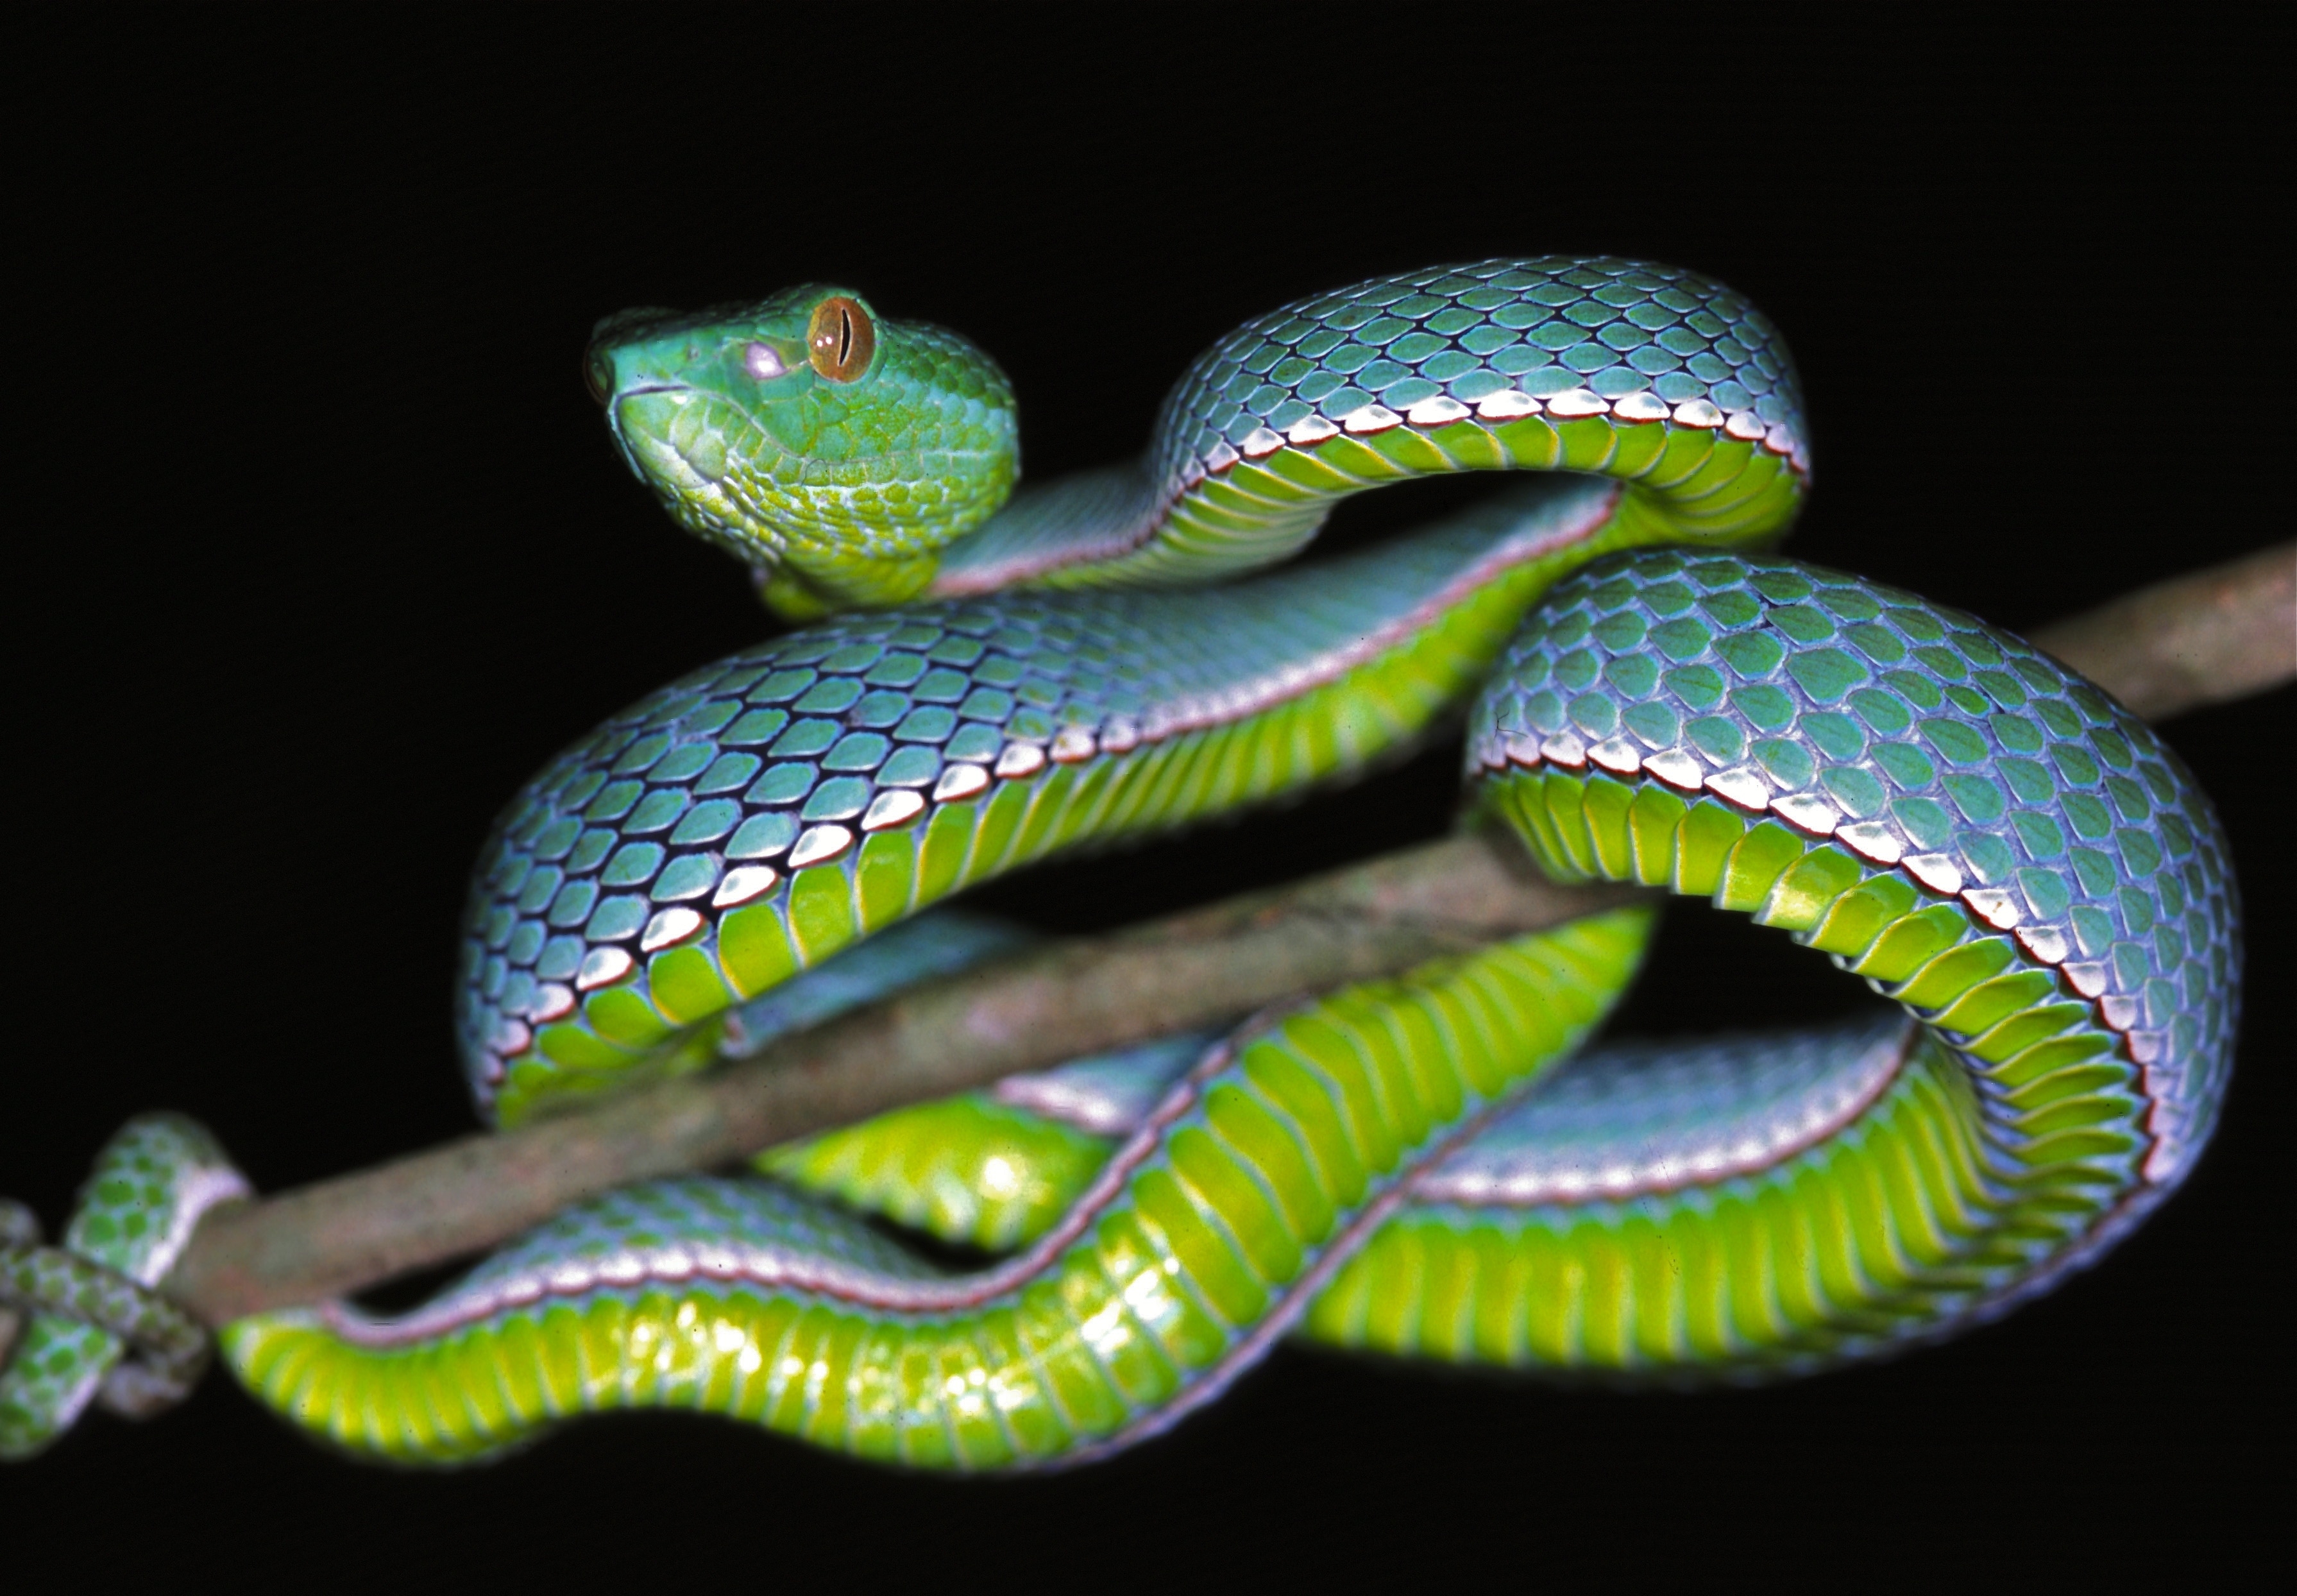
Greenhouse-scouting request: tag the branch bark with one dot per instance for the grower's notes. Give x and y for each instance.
(1030, 1011)
(2213, 636)
(2203, 638)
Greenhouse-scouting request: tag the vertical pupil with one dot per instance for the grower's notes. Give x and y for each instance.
(839, 339)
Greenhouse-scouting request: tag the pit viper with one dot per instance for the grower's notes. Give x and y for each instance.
(1435, 1165)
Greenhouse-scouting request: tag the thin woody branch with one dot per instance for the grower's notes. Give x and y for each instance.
(1082, 995)
(2216, 635)
(2206, 637)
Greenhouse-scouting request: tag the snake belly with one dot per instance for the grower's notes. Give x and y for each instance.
(1989, 841)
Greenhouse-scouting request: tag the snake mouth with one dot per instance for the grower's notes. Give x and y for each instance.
(621, 435)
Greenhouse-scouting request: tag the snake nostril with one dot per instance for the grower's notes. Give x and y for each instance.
(599, 375)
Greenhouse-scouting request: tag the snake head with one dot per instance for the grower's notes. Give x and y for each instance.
(835, 451)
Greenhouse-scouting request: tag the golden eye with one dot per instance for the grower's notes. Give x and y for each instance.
(840, 340)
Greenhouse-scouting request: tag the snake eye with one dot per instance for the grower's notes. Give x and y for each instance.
(762, 362)
(840, 340)
(599, 375)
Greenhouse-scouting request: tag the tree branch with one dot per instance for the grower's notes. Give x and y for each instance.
(2216, 635)
(1206, 966)
(2203, 638)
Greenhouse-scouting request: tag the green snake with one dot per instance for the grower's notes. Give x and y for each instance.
(1428, 1165)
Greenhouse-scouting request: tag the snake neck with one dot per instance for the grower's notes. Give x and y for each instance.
(745, 824)
(1654, 378)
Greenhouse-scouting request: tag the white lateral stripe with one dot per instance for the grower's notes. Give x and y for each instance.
(1872, 839)
(2046, 943)
(1440, 411)
(743, 883)
(672, 926)
(1994, 905)
(1676, 768)
(960, 780)
(1808, 811)
(602, 966)
(1564, 748)
(895, 806)
(1506, 406)
(1935, 871)
(1615, 754)
(1371, 418)
(1742, 787)
(1019, 759)
(819, 843)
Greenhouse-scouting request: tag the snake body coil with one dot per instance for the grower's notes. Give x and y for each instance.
(1985, 839)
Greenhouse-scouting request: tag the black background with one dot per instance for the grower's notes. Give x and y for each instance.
(316, 548)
